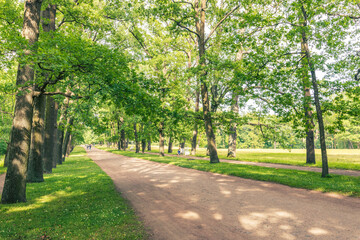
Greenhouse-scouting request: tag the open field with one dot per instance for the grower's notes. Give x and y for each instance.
(337, 158)
(77, 201)
(345, 185)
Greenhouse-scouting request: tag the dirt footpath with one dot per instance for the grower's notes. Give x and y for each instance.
(178, 203)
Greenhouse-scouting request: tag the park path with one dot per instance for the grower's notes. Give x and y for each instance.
(179, 203)
(353, 173)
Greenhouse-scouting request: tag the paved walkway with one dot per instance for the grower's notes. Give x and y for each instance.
(179, 203)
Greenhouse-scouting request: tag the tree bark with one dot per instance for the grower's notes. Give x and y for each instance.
(149, 145)
(195, 131)
(143, 145)
(233, 127)
(182, 146)
(67, 138)
(325, 168)
(137, 142)
(170, 145)
(15, 181)
(49, 137)
(204, 89)
(55, 135)
(69, 146)
(36, 163)
(310, 143)
(161, 139)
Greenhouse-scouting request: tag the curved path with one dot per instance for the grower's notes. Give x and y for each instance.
(353, 173)
(179, 203)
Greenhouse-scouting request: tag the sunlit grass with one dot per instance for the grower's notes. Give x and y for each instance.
(345, 185)
(77, 201)
(337, 158)
(2, 169)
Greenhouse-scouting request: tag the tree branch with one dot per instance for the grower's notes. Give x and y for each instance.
(221, 21)
(186, 28)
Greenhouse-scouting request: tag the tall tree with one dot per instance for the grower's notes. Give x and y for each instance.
(15, 180)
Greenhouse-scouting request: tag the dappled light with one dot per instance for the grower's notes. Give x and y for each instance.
(224, 206)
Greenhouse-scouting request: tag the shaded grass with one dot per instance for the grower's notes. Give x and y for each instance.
(77, 201)
(345, 185)
(337, 158)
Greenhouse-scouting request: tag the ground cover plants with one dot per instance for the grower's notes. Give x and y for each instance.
(338, 158)
(77, 201)
(345, 185)
(2, 168)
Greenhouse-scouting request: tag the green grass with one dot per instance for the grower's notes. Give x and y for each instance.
(77, 201)
(344, 185)
(337, 158)
(2, 168)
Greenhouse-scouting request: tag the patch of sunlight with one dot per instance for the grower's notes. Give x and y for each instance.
(39, 202)
(162, 185)
(226, 193)
(218, 216)
(317, 231)
(78, 155)
(188, 215)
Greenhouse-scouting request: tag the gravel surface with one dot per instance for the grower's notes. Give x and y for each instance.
(179, 203)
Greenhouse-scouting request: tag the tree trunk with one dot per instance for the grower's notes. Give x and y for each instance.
(310, 143)
(233, 127)
(182, 146)
(143, 145)
(36, 163)
(204, 89)
(325, 168)
(15, 181)
(69, 146)
(137, 142)
(161, 139)
(55, 135)
(195, 131)
(149, 145)
(67, 138)
(170, 145)
(123, 140)
(119, 133)
(49, 134)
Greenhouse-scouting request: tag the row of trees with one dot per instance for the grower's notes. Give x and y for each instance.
(174, 70)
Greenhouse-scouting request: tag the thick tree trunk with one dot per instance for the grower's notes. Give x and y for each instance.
(15, 181)
(195, 131)
(233, 127)
(49, 134)
(204, 89)
(55, 135)
(161, 139)
(325, 168)
(67, 138)
(143, 145)
(69, 146)
(170, 145)
(36, 163)
(61, 130)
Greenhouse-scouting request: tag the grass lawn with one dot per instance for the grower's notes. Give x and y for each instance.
(337, 158)
(344, 185)
(77, 201)
(2, 169)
